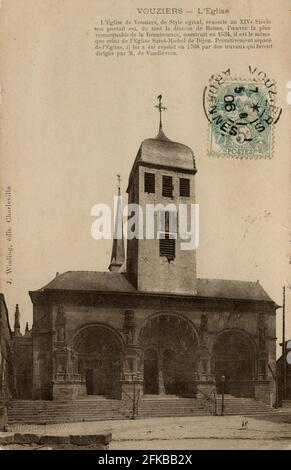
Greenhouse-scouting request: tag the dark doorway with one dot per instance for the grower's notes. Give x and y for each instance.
(99, 360)
(169, 372)
(170, 346)
(151, 372)
(233, 358)
(89, 381)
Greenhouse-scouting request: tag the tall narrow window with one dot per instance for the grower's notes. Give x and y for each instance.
(167, 186)
(168, 248)
(149, 182)
(167, 234)
(184, 187)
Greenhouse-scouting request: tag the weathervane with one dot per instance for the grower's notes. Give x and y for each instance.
(161, 108)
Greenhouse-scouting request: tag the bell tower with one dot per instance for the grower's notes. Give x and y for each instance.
(161, 180)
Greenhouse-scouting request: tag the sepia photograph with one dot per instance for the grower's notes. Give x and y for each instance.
(145, 288)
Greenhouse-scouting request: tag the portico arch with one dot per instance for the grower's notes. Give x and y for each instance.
(100, 352)
(169, 344)
(234, 357)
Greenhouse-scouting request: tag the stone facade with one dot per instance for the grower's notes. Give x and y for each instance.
(153, 327)
(6, 363)
(163, 343)
(15, 360)
(22, 358)
(286, 400)
(23, 367)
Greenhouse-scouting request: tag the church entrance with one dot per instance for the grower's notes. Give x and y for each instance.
(233, 357)
(151, 372)
(170, 372)
(99, 360)
(169, 359)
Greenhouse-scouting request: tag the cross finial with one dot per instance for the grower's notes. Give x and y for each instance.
(161, 108)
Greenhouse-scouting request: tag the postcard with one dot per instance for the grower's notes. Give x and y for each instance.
(145, 225)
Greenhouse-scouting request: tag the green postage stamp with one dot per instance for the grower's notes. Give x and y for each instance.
(241, 115)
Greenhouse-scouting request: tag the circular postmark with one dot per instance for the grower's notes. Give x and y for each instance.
(241, 115)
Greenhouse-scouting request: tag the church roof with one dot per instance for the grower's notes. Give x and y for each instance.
(90, 281)
(232, 289)
(94, 281)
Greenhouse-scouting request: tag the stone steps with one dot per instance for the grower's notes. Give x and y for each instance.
(49, 412)
(97, 409)
(240, 406)
(191, 407)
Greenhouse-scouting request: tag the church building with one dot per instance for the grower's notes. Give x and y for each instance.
(149, 325)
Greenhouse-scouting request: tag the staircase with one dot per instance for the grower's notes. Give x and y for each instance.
(242, 406)
(155, 406)
(95, 408)
(48, 412)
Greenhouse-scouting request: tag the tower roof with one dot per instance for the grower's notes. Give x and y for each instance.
(17, 331)
(17, 317)
(162, 151)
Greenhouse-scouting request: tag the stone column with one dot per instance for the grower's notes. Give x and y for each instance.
(3, 414)
(131, 381)
(4, 397)
(204, 380)
(161, 376)
(132, 374)
(262, 335)
(67, 382)
(264, 389)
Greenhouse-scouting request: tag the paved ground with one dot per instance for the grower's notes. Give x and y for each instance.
(204, 444)
(206, 432)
